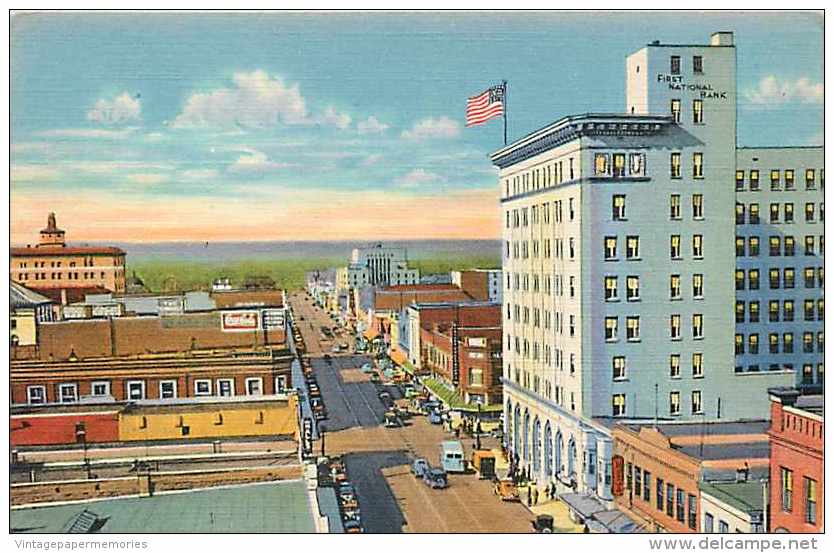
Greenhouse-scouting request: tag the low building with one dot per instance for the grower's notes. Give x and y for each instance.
(796, 435)
(52, 264)
(734, 507)
(659, 468)
(27, 310)
(481, 284)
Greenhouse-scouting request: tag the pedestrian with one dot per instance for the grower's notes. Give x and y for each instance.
(535, 495)
(529, 497)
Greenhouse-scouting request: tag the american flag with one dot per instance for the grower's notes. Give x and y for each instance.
(485, 106)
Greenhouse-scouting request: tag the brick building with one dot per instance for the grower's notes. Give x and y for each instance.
(52, 264)
(796, 461)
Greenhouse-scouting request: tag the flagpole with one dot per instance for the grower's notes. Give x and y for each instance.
(505, 111)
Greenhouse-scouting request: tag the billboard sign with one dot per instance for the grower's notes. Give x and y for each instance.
(239, 321)
(273, 319)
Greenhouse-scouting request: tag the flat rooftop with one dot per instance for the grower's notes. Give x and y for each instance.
(274, 507)
(674, 430)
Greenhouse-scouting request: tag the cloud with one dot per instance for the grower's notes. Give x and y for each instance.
(371, 125)
(772, 90)
(199, 174)
(121, 109)
(88, 133)
(333, 118)
(254, 161)
(256, 100)
(147, 178)
(418, 177)
(441, 127)
(116, 166)
(371, 160)
(33, 173)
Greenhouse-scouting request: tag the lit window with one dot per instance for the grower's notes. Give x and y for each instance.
(739, 180)
(675, 365)
(633, 329)
(632, 247)
(633, 288)
(697, 111)
(675, 403)
(697, 326)
(610, 247)
(696, 402)
(675, 246)
(610, 288)
(676, 110)
(754, 179)
(698, 165)
(601, 164)
(697, 206)
(697, 246)
(675, 161)
(675, 287)
(774, 179)
(611, 329)
(675, 206)
(618, 405)
(698, 286)
(675, 327)
(787, 489)
(619, 165)
(618, 207)
(697, 365)
(619, 367)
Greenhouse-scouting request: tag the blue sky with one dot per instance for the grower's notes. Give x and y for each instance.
(285, 125)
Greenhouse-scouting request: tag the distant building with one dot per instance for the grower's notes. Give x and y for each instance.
(380, 265)
(52, 264)
(481, 284)
(796, 435)
(27, 309)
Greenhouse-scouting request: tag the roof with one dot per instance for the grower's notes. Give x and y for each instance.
(73, 294)
(811, 403)
(674, 430)
(745, 496)
(274, 507)
(717, 452)
(22, 297)
(397, 299)
(66, 250)
(245, 298)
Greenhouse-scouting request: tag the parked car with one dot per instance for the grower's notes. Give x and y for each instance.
(352, 526)
(367, 368)
(434, 417)
(392, 420)
(436, 479)
(419, 467)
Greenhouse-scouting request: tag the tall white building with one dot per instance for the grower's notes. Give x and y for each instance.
(618, 266)
(379, 265)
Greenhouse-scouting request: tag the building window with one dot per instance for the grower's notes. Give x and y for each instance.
(676, 110)
(168, 389)
(739, 180)
(810, 500)
(709, 523)
(789, 213)
(601, 164)
(619, 367)
(135, 389)
(809, 245)
(280, 384)
(787, 342)
(610, 288)
(787, 311)
(754, 311)
(202, 387)
(36, 395)
(773, 310)
(723, 527)
(697, 206)
(739, 344)
(692, 509)
(675, 327)
(675, 161)
(610, 329)
(675, 287)
(753, 279)
(659, 484)
(610, 248)
(100, 388)
(670, 500)
(740, 279)
(679, 505)
(632, 247)
(698, 165)
(790, 246)
(698, 286)
(225, 387)
(697, 246)
(675, 246)
(754, 179)
(774, 213)
(740, 311)
(632, 288)
(697, 365)
(774, 278)
(787, 489)
(789, 179)
(697, 326)
(753, 246)
(754, 214)
(619, 169)
(697, 408)
(809, 212)
(618, 207)
(618, 404)
(254, 386)
(647, 486)
(476, 377)
(675, 207)
(637, 165)
(698, 111)
(775, 246)
(697, 64)
(809, 179)
(774, 179)
(675, 65)
(753, 344)
(633, 329)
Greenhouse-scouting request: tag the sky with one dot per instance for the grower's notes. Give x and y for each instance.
(163, 127)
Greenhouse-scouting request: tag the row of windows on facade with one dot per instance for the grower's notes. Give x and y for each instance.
(541, 317)
(87, 262)
(776, 179)
(675, 502)
(618, 404)
(550, 391)
(787, 212)
(807, 377)
(541, 177)
(633, 247)
(809, 488)
(697, 111)
(775, 243)
(539, 213)
(60, 276)
(675, 65)
(787, 280)
(535, 351)
(475, 376)
(633, 328)
(774, 342)
(619, 207)
(516, 281)
(67, 392)
(611, 165)
(774, 314)
(522, 249)
(619, 370)
(633, 287)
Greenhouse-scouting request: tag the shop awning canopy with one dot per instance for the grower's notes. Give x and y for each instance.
(371, 333)
(398, 357)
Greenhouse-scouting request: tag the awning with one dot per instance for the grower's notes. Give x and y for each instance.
(583, 504)
(398, 357)
(371, 333)
(617, 522)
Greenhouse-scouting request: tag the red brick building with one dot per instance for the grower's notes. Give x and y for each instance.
(796, 461)
(100, 424)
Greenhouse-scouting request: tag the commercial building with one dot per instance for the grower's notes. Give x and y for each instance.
(380, 265)
(617, 263)
(734, 507)
(796, 462)
(481, 284)
(52, 264)
(660, 469)
(27, 310)
(780, 247)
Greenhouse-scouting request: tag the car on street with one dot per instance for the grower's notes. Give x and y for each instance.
(327, 358)
(436, 479)
(352, 526)
(367, 368)
(434, 417)
(384, 396)
(375, 379)
(335, 349)
(419, 467)
(392, 420)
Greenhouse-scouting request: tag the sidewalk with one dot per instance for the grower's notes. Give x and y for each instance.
(562, 524)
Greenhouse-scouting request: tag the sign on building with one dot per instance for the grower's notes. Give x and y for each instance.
(109, 310)
(273, 319)
(307, 436)
(239, 321)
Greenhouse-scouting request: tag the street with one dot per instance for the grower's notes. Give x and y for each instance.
(378, 459)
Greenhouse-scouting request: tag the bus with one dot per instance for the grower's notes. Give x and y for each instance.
(451, 456)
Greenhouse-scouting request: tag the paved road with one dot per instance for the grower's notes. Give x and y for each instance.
(309, 318)
(381, 512)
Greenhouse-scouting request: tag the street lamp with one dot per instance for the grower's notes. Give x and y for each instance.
(322, 432)
(81, 437)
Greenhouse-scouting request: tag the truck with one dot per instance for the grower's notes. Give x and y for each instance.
(483, 461)
(451, 456)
